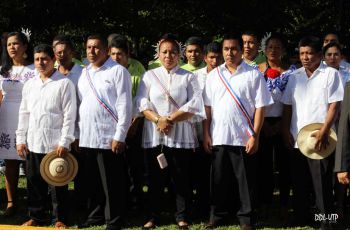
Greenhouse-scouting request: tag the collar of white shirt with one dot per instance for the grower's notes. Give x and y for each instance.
(172, 71)
(109, 63)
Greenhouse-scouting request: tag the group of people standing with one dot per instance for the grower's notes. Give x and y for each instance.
(213, 124)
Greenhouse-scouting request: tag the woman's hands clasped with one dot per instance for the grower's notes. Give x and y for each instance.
(164, 125)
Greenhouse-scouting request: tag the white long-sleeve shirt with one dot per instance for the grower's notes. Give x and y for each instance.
(97, 126)
(184, 88)
(47, 114)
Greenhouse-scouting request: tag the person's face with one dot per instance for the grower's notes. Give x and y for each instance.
(119, 56)
(333, 57)
(194, 54)
(15, 47)
(63, 53)
(330, 38)
(168, 55)
(213, 59)
(44, 63)
(232, 52)
(96, 53)
(250, 47)
(309, 58)
(274, 50)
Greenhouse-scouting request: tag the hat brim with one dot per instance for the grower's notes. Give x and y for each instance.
(302, 138)
(72, 169)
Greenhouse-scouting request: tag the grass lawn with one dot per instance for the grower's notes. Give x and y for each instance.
(136, 220)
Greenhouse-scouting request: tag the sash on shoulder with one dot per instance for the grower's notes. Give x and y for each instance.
(250, 126)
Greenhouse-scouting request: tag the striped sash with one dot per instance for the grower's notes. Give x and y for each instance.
(100, 99)
(250, 126)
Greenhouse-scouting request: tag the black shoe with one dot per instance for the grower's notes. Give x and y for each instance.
(210, 225)
(89, 224)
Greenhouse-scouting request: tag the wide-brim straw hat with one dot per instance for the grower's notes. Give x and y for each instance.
(306, 142)
(58, 171)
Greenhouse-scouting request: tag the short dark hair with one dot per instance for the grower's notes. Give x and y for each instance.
(214, 47)
(120, 44)
(64, 39)
(103, 40)
(195, 41)
(44, 48)
(311, 41)
(252, 33)
(234, 36)
(329, 45)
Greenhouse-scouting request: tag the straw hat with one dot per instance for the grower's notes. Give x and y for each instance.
(58, 171)
(306, 142)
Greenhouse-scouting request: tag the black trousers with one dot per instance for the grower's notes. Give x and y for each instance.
(38, 193)
(272, 155)
(106, 191)
(307, 174)
(178, 170)
(230, 164)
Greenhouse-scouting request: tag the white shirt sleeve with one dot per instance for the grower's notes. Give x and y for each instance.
(123, 104)
(207, 89)
(142, 101)
(69, 108)
(335, 88)
(23, 117)
(263, 95)
(195, 103)
(288, 92)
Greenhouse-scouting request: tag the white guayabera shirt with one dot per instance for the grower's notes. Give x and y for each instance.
(47, 113)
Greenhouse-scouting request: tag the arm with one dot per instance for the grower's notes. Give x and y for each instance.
(253, 142)
(163, 123)
(23, 124)
(124, 109)
(207, 142)
(286, 120)
(322, 135)
(69, 109)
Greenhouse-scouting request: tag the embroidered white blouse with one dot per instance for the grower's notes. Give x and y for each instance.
(185, 90)
(47, 114)
(97, 126)
(228, 125)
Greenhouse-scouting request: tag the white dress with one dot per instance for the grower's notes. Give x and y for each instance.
(11, 88)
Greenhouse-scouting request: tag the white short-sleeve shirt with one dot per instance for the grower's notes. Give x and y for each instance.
(310, 97)
(228, 125)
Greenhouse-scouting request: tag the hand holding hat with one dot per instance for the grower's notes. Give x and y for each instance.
(315, 144)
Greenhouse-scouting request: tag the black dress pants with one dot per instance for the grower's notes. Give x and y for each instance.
(106, 187)
(229, 164)
(307, 174)
(178, 169)
(38, 193)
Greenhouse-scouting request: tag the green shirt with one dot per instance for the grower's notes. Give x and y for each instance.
(258, 60)
(75, 61)
(136, 71)
(192, 68)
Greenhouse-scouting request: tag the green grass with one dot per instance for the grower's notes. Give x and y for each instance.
(136, 221)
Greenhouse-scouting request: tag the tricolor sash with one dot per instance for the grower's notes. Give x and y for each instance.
(99, 98)
(250, 126)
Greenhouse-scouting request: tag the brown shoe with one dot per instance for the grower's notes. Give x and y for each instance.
(247, 227)
(30, 222)
(60, 225)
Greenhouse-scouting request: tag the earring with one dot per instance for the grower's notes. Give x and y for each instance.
(25, 56)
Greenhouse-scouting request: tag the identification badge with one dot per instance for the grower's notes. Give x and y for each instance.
(162, 161)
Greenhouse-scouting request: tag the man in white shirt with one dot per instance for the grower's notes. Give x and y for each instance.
(312, 95)
(105, 116)
(64, 51)
(46, 123)
(231, 131)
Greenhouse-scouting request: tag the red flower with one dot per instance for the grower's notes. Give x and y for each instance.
(272, 73)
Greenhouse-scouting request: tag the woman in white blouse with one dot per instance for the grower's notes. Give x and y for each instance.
(170, 99)
(16, 69)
